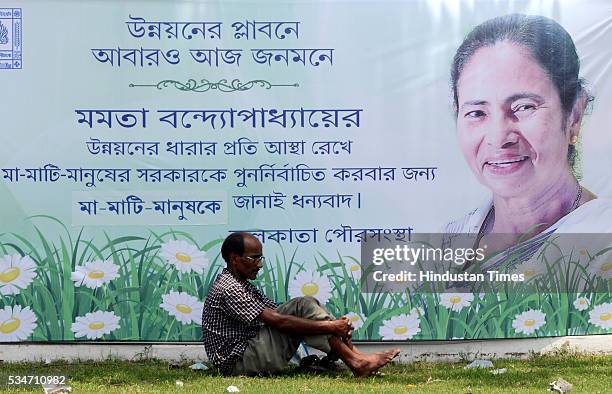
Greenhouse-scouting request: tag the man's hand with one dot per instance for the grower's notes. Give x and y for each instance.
(298, 326)
(341, 327)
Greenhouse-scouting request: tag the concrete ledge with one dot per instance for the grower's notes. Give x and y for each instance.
(411, 351)
(450, 351)
(100, 351)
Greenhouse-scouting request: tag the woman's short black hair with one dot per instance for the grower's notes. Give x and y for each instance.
(548, 43)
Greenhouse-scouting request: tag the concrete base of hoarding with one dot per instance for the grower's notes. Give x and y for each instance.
(455, 350)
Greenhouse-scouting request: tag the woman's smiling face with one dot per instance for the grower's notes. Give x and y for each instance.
(510, 122)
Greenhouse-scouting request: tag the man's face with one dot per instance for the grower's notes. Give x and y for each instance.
(248, 265)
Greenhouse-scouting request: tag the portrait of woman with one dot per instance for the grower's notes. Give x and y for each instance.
(519, 103)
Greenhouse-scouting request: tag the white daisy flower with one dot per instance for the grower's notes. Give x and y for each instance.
(582, 303)
(530, 269)
(400, 327)
(529, 321)
(356, 319)
(95, 324)
(601, 268)
(184, 256)
(311, 283)
(601, 315)
(456, 301)
(16, 323)
(94, 274)
(353, 268)
(16, 273)
(187, 309)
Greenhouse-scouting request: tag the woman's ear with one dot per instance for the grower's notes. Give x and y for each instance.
(575, 118)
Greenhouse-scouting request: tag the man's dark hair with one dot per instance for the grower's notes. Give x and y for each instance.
(234, 243)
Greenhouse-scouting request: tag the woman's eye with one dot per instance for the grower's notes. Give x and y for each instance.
(474, 114)
(523, 107)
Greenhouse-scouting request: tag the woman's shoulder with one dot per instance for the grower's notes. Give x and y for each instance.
(594, 216)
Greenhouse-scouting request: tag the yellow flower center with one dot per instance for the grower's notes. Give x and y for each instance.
(529, 273)
(310, 289)
(355, 318)
(400, 330)
(96, 274)
(183, 308)
(183, 258)
(10, 325)
(455, 299)
(97, 325)
(582, 301)
(605, 316)
(529, 323)
(9, 275)
(355, 267)
(606, 267)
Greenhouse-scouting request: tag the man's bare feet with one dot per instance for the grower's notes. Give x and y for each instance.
(368, 364)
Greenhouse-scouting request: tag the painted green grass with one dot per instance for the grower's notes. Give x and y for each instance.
(135, 296)
(489, 316)
(588, 374)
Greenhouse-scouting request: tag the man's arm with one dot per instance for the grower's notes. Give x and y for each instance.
(303, 327)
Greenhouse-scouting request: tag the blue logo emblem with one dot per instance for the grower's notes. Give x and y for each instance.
(11, 43)
(3, 34)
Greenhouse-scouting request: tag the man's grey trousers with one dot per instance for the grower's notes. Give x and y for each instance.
(271, 350)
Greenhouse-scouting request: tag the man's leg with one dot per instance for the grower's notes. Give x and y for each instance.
(361, 364)
(309, 308)
(267, 353)
(270, 351)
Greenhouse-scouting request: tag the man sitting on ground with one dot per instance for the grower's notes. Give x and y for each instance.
(246, 333)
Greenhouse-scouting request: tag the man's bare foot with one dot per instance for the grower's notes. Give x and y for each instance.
(348, 340)
(357, 351)
(368, 364)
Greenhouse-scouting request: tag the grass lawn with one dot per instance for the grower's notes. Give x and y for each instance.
(588, 374)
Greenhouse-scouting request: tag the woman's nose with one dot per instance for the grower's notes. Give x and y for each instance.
(503, 131)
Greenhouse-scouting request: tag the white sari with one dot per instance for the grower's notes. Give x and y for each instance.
(594, 216)
(584, 234)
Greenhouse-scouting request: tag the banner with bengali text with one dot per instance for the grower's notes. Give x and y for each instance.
(135, 136)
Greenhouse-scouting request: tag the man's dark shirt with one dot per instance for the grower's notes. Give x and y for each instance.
(229, 319)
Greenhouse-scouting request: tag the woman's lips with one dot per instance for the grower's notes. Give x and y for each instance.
(506, 165)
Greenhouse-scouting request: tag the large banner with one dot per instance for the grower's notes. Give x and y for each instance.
(135, 136)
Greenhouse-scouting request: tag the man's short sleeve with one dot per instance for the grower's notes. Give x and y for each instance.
(241, 305)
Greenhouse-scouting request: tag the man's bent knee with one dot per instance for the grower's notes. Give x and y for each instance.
(306, 307)
(308, 300)
(308, 304)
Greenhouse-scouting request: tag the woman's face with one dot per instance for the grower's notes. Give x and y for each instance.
(510, 122)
